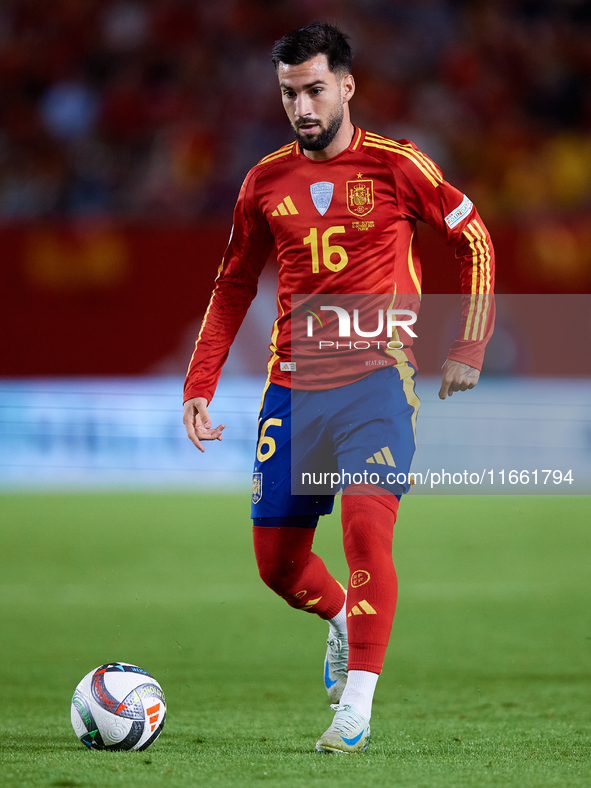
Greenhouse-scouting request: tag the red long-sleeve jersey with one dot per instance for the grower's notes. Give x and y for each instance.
(344, 225)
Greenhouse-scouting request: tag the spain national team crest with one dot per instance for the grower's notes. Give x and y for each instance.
(360, 197)
(257, 487)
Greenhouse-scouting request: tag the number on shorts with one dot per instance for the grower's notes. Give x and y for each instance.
(265, 441)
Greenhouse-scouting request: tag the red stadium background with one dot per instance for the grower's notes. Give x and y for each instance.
(126, 129)
(88, 298)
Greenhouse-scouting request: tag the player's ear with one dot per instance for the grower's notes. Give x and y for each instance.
(347, 88)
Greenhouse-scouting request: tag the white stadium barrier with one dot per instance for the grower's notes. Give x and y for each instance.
(127, 433)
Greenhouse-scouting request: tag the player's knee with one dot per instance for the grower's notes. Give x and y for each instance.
(282, 555)
(279, 577)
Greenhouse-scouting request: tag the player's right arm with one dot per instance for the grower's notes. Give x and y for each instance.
(249, 247)
(426, 195)
(198, 424)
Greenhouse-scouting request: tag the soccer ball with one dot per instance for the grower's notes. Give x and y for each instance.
(118, 706)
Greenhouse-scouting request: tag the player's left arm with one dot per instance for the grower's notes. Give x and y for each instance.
(457, 376)
(453, 215)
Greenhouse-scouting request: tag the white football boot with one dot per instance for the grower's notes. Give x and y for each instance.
(349, 731)
(335, 666)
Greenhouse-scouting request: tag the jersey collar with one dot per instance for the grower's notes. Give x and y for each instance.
(358, 135)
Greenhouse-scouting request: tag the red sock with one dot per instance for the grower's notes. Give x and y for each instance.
(368, 523)
(288, 566)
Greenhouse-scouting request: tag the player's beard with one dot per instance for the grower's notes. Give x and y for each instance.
(324, 137)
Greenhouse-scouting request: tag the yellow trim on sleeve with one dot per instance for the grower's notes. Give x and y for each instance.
(471, 239)
(411, 265)
(284, 151)
(205, 316)
(484, 316)
(436, 172)
(409, 150)
(414, 160)
(470, 315)
(273, 349)
(480, 300)
(487, 260)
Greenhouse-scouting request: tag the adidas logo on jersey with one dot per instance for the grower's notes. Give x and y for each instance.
(361, 608)
(383, 457)
(285, 207)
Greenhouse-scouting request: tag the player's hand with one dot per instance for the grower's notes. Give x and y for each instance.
(457, 377)
(198, 424)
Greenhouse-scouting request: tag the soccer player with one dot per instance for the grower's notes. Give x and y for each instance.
(340, 205)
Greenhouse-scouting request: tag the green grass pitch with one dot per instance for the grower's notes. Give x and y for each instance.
(486, 681)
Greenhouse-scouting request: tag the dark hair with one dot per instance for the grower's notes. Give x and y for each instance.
(320, 38)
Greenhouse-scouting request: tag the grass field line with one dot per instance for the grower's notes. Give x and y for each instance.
(74, 594)
(491, 590)
(486, 682)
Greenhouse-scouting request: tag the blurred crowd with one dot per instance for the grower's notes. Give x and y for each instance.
(157, 108)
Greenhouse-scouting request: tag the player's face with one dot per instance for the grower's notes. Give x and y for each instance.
(314, 98)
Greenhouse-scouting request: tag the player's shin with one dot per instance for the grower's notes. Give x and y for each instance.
(368, 523)
(288, 566)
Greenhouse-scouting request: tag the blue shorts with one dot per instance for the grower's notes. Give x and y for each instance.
(313, 443)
